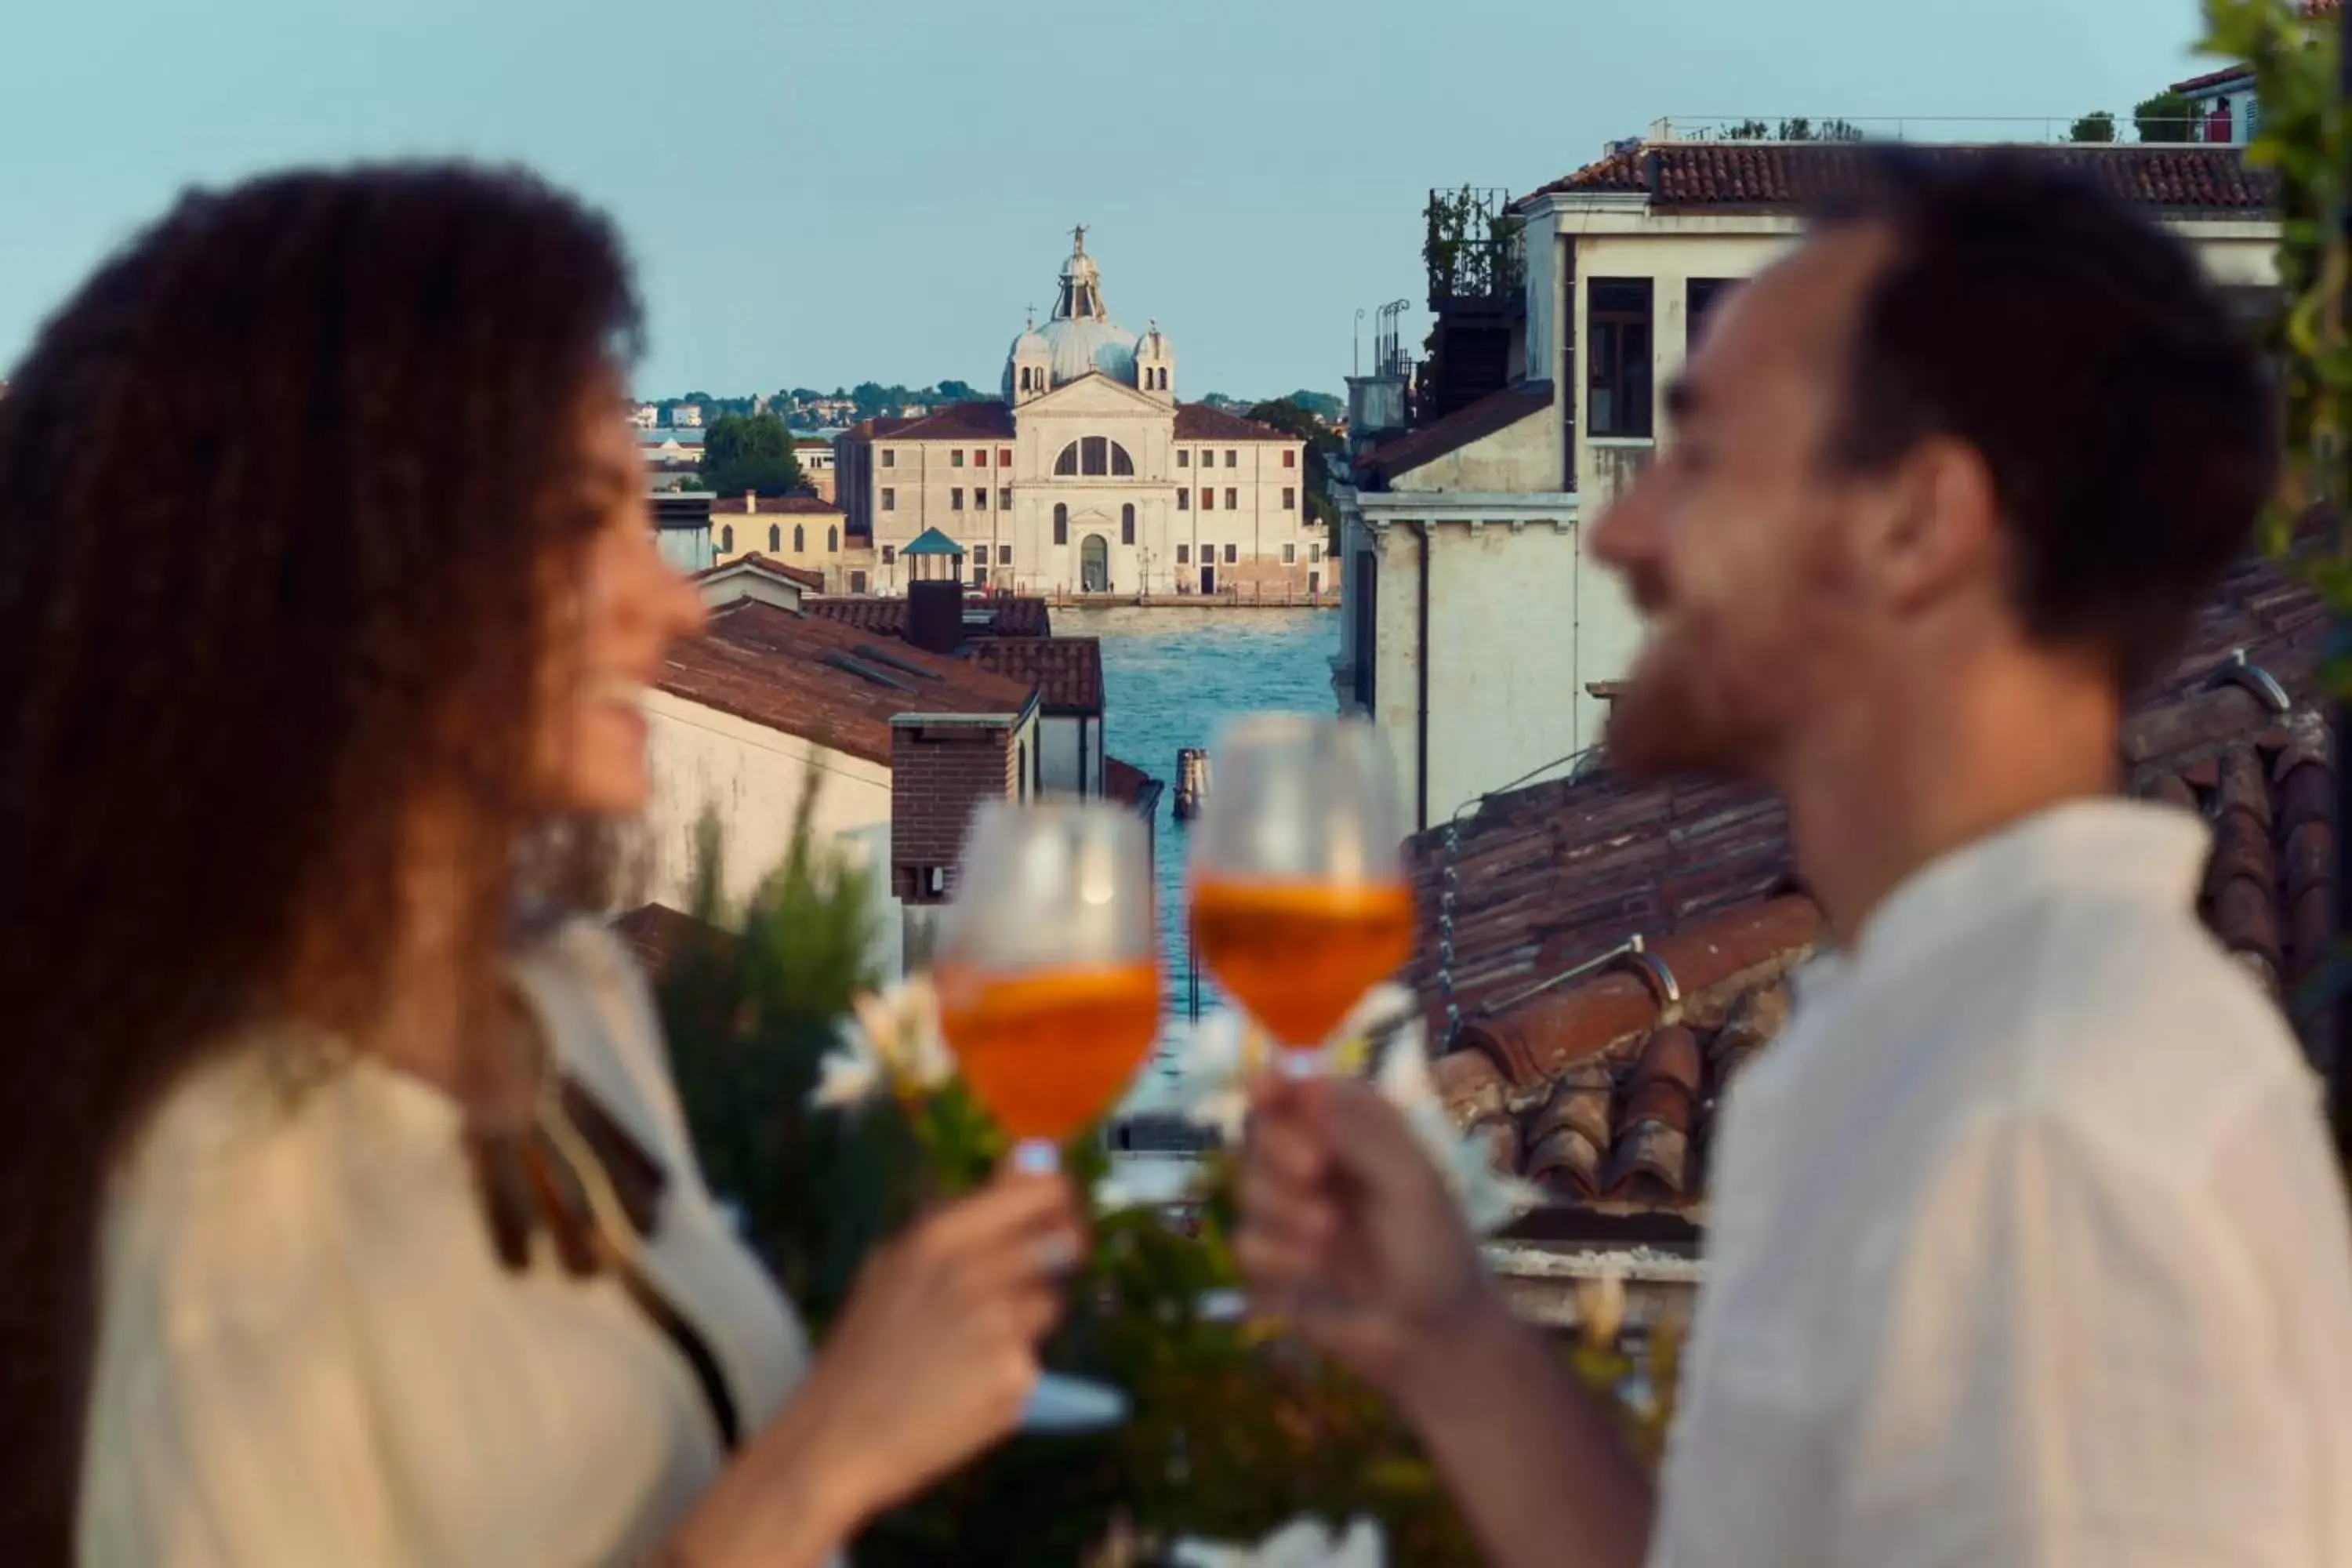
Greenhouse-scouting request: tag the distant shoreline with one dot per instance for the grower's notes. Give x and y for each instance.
(1184, 602)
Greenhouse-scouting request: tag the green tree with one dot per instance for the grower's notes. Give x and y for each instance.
(750, 452)
(1798, 130)
(2167, 117)
(1748, 131)
(1838, 130)
(1325, 451)
(2096, 126)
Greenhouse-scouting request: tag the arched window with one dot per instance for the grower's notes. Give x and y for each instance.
(727, 538)
(832, 540)
(775, 537)
(1126, 523)
(1061, 523)
(799, 539)
(1094, 455)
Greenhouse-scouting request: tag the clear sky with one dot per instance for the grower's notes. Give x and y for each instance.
(818, 194)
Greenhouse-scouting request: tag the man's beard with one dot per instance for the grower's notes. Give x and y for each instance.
(1672, 720)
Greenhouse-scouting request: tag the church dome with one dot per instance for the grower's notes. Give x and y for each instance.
(1094, 344)
(1081, 339)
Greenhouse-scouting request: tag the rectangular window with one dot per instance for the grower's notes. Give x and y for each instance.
(1233, 553)
(1233, 458)
(1004, 499)
(888, 555)
(1289, 498)
(1004, 457)
(1617, 395)
(1208, 458)
(1004, 555)
(1315, 552)
(1701, 294)
(889, 457)
(1183, 500)
(1290, 457)
(979, 577)
(1233, 498)
(979, 459)
(955, 500)
(857, 582)
(955, 459)
(1290, 555)
(1183, 555)
(979, 500)
(1208, 500)
(1183, 458)
(889, 499)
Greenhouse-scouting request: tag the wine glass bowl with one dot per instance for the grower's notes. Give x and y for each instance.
(1299, 904)
(1048, 971)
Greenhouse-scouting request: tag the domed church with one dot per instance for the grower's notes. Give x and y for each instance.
(1089, 476)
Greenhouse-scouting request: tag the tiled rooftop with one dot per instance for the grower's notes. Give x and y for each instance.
(802, 576)
(804, 506)
(2210, 181)
(987, 421)
(1473, 422)
(826, 681)
(1130, 785)
(1012, 616)
(1066, 671)
(1600, 1084)
(1199, 422)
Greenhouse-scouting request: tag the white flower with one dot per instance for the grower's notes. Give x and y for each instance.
(892, 1041)
(1301, 1544)
(1214, 1063)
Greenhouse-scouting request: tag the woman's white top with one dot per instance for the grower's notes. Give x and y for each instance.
(310, 1353)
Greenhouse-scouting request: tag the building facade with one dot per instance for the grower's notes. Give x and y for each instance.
(1478, 635)
(1089, 476)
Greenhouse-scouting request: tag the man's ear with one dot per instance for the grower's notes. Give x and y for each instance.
(1940, 527)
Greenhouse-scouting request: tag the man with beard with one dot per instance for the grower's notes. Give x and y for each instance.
(2026, 1245)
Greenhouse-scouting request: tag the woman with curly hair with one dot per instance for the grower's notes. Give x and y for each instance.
(346, 1212)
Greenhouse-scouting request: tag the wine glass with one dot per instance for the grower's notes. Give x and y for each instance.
(1048, 980)
(1299, 903)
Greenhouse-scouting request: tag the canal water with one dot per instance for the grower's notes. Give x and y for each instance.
(1171, 679)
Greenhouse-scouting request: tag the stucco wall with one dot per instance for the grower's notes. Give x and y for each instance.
(753, 777)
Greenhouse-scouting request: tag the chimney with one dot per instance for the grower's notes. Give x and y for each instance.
(940, 769)
(750, 502)
(935, 616)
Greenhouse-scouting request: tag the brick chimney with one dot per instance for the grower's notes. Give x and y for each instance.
(942, 768)
(750, 504)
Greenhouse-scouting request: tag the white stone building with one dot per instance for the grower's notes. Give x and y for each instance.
(1089, 476)
(1478, 635)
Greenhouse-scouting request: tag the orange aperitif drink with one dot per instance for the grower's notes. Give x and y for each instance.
(1300, 954)
(1048, 1049)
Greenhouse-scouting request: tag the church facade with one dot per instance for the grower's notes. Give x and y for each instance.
(1089, 476)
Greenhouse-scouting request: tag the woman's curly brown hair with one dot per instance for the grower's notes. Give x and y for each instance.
(280, 491)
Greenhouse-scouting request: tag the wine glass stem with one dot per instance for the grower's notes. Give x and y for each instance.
(1036, 1156)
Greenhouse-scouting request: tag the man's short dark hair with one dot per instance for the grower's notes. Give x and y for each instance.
(2122, 413)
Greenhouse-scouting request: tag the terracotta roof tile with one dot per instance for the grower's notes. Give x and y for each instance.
(1792, 174)
(2216, 77)
(1066, 671)
(1473, 422)
(1600, 1081)
(1199, 422)
(1125, 782)
(803, 576)
(802, 506)
(658, 935)
(826, 681)
(1013, 616)
(988, 421)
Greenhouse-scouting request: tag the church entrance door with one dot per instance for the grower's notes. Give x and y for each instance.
(1093, 564)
